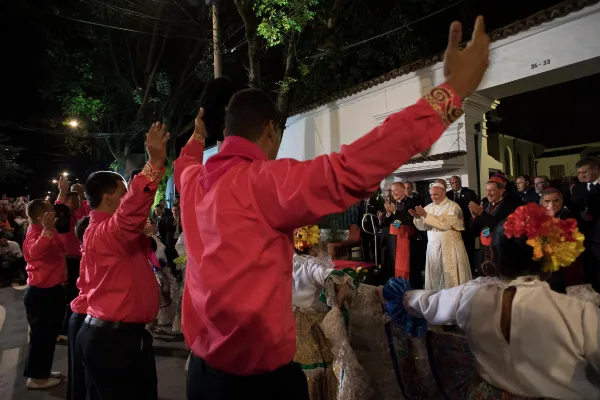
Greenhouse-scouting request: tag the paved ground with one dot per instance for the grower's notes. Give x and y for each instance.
(170, 357)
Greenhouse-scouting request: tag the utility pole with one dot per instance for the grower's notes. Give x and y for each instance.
(217, 61)
(218, 66)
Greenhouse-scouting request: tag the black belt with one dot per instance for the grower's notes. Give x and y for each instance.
(113, 325)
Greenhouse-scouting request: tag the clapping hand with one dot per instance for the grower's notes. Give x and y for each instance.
(475, 209)
(390, 208)
(420, 212)
(412, 212)
(156, 144)
(464, 69)
(48, 221)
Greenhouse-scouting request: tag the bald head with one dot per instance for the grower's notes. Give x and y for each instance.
(78, 188)
(398, 191)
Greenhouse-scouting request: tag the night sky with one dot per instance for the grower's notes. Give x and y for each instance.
(554, 116)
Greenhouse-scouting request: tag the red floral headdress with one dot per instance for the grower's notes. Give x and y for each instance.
(557, 243)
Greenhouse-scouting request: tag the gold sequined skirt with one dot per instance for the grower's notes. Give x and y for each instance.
(313, 353)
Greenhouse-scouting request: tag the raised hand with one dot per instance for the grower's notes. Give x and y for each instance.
(63, 184)
(199, 128)
(412, 212)
(464, 69)
(48, 221)
(475, 209)
(156, 144)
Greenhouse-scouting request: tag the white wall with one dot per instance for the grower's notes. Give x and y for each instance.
(564, 41)
(569, 161)
(519, 149)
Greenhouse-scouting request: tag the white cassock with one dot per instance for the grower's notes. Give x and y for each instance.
(447, 261)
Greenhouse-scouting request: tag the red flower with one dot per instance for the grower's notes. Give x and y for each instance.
(530, 221)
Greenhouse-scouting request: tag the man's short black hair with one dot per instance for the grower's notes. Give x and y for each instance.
(80, 227)
(35, 208)
(248, 112)
(526, 178)
(159, 206)
(99, 184)
(587, 161)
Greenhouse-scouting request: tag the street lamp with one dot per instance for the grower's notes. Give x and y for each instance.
(65, 174)
(54, 181)
(73, 123)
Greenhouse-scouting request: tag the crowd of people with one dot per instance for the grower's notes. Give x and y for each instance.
(264, 312)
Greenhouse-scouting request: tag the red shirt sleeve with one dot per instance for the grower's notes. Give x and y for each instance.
(189, 164)
(290, 193)
(42, 245)
(129, 220)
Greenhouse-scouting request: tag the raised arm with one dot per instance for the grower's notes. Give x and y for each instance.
(291, 193)
(189, 163)
(129, 220)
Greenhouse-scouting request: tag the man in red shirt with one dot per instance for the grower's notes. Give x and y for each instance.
(77, 387)
(72, 248)
(84, 205)
(120, 286)
(239, 211)
(45, 295)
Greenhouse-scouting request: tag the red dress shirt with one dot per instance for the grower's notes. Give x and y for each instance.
(69, 240)
(45, 258)
(79, 303)
(239, 211)
(119, 280)
(83, 210)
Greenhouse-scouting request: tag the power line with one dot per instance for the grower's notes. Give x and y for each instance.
(390, 31)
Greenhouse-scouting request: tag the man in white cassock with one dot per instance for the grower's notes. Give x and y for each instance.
(447, 261)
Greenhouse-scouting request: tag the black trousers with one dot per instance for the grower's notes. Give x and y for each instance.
(44, 308)
(206, 383)
(119, 363)
(77, 388)
(72, 291)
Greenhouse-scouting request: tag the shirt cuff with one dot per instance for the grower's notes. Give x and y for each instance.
(47, 234)
(446, 103)
(152, 174)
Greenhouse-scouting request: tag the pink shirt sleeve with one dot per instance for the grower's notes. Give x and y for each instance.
(129, 220)
(189, 164)
(290, 193)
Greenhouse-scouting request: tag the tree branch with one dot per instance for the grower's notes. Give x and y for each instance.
(151, 79)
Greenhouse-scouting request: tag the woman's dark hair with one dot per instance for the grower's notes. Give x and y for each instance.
(100, 183)
(80, 227)
(214, 101)
(513, 257)
(248, 112)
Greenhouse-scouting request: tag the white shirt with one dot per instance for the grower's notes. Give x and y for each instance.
(554, 351)
(308, 280)
(589, 185)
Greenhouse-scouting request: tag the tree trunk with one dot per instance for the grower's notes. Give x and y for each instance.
(285, 96)
(254, 42)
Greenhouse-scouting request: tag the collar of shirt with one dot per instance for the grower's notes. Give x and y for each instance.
(241, 147)
(98, 216)
(596, 182)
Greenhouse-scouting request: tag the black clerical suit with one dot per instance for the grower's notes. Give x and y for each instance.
(493, 213)
(585, 201)
(529, 196)
(463, 197)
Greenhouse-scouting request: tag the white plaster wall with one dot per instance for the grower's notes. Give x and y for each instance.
(569, 161)
(208, 153)
(519, 149)
(564, 41)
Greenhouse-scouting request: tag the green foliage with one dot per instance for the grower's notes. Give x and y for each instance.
(280, 17)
